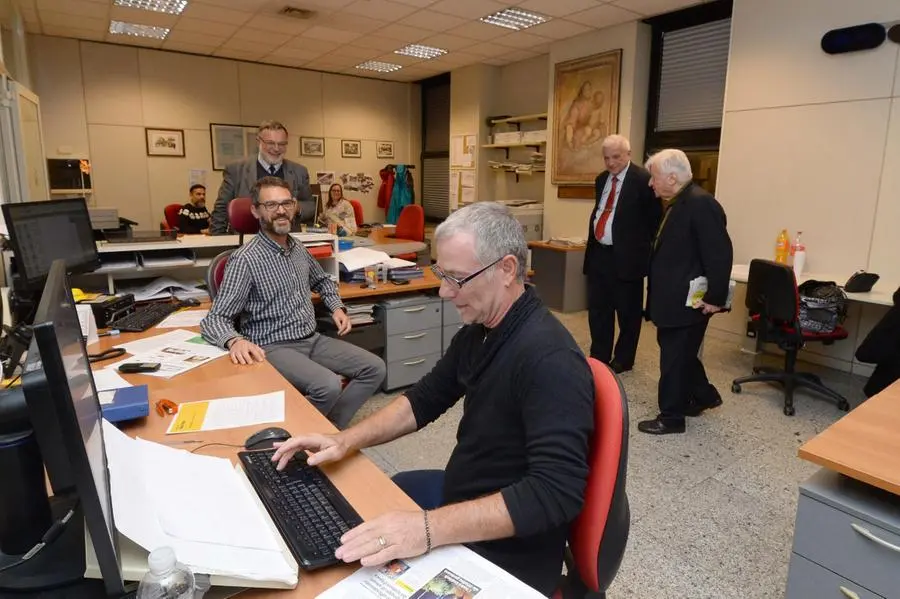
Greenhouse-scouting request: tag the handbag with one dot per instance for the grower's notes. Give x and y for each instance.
(861, 282)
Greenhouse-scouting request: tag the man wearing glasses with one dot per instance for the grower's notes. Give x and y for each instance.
(517, 475)
(239, 177)
(264, 311)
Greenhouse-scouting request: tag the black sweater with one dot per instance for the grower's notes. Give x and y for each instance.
(526, 424)
(193, 219)
(882, 347)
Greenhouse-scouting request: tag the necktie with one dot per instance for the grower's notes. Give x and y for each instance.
(607, 210)
(272, 169)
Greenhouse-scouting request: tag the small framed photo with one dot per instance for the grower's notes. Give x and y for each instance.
(165, 142)
(384, 149)
(312, 146)
(351, 148)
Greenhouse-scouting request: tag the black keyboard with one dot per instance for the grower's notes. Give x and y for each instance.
(310, 513)
(144, 317)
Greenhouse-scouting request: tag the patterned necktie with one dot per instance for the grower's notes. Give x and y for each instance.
(272, 169)
(607, 210)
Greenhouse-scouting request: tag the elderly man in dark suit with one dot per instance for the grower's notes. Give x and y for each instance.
(692, 242)
(240, 177)
(617, 258)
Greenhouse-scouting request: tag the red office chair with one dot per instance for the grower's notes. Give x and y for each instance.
(410, 225)
(216, 272)
(774, 305)
(357, 213)
(598, 536)
(241, 218)
(171, 213)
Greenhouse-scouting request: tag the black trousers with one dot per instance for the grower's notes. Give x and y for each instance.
(682, 379)
(610, 297)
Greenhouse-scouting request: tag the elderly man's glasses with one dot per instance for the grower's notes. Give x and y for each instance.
(273, 144)
(440, 274)
(273, 206)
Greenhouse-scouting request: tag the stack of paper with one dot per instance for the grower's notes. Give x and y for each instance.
(361, 313)
(165, 288)
(358, 257)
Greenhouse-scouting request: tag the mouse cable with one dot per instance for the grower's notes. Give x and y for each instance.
(196, 449)
(51, 535)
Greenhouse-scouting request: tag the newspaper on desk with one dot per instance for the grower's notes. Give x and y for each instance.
(453, 571)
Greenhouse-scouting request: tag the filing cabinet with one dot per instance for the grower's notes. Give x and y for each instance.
(413, 328)
(452, 323)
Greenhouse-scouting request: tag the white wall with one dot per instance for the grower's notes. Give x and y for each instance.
(473, 98)
(96, 100)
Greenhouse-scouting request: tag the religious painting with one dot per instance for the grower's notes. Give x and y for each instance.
(585, 110)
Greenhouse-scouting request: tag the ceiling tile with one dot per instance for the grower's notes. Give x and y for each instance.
(355, 52)
(417, 3)
(432, 21)
(521, 39)
(477, 30)
(81, 8)
(188, 47)
(239, 54)
(471, 9)
(194, 38)
(143, 17)
(249, 46)
(322, 6)
(63, 20)
(558, 29)
(604, 16)
(82, 34)
(651, 8)
(330, 35)
(403, 33)
(376, 42)
(208, 12)
(207, 27)
(520, 55)
(266, 38)
(308, 43)
(497, 61)
(245, 5)
(448, 42)
(348, 22)
(454, 60)
(279, 24)
(487, 49)
(384, 10)
(558, 8)
(131, 40)
(296, 53)
(284, 61)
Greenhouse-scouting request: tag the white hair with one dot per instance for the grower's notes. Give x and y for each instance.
(495, 230)
(617, 141)
(672, 162)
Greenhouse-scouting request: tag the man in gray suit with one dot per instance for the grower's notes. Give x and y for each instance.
(240, 177)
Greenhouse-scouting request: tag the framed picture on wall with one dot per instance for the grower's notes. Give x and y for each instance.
(165, 142)
(384, 149)
(312, 146)
(351, 148)
(231, 143)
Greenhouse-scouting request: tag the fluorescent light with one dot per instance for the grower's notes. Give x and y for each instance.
(377, 65)
(515, 18)
(420, 51)
(170, 7)
(121, 28)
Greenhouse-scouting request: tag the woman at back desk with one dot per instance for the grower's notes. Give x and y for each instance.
(882, 348)
(339, 211)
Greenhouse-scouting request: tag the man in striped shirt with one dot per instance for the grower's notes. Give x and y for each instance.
(266, 295)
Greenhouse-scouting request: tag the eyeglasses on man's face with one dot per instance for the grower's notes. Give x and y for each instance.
(287, 205)
(459, 282)
(272, 145)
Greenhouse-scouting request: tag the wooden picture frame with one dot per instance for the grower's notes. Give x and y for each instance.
(585, 111)
(312, 146)
(230, 143)
(164, 142)
(351, 148)
(384, 150)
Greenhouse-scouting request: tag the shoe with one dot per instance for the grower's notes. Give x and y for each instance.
(618, 367)
(660, 427)
(695, 409)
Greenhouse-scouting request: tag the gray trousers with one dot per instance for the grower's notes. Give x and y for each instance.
(315, 367)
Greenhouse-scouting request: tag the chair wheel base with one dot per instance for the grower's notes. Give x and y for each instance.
(788, 410)
(735, 388)
(843, 406)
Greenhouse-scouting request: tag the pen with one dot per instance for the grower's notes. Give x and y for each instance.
(111, 333)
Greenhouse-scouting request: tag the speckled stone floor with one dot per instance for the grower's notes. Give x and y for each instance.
(713, 509)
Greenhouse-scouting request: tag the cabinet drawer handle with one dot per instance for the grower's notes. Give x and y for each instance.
(868, 534)
(414, 362)
(848, 593)
(419, 309)
(417, 336)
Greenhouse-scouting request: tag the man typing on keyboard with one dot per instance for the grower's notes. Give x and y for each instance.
(517, 476)
(267, 292)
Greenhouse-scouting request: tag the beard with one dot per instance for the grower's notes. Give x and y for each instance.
(277, 227)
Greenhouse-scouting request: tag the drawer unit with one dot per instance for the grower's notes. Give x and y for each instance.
(413, 326)
(452, 324)
(405, 314)
(404, 373)
(451, 314)
(414, 343)
(808, 580)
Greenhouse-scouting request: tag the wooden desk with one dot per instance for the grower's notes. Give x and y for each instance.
(353, 291)
(864, 444)
(367, 488)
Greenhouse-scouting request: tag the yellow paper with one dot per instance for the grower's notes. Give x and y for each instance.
(190, 417)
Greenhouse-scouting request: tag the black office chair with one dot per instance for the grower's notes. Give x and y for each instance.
(774, 305)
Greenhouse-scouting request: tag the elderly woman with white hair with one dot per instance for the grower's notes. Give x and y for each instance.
(692, 241)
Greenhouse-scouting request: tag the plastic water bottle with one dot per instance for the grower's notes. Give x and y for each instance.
(167, 579)
(798, 251)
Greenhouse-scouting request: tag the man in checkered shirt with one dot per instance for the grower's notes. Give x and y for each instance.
(266, 295)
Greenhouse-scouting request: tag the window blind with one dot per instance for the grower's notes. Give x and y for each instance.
(436, 186)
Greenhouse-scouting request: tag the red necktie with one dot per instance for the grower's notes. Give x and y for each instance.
(607, 210)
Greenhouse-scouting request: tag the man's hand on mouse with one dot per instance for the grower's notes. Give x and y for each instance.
(245, 352)
(325, 448)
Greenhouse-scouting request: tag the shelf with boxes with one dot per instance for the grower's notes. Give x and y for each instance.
(514, 137)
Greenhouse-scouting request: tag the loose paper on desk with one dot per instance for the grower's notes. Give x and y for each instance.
(196, 504)
(177, 357)
(156, 342)
(88, 323)
(451, 571)
(357, 258)
(698, 288)
(183, 318)
(230, 412)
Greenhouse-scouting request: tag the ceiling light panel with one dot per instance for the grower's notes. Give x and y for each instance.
(515, 19)
(377, 65)
(170, 7)
(122, 28)
(420, 51)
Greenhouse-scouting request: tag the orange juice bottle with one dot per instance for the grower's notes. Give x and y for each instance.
(782, 247)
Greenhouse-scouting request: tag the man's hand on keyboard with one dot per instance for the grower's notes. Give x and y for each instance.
(245, 352)
(325, 448)
(395, 535)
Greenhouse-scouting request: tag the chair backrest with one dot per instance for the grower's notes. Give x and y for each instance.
(216, 272)
(772, 291)
(357, 212)
(598, 536)
(411, 223)
(241, 218)
(171, 213)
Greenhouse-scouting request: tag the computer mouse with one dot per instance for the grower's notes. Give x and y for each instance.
(190, 302)
(265, 438)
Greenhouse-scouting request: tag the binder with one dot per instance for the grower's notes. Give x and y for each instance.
(127, 403)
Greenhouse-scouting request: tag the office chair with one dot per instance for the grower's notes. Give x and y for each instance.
(774, 305)
(215, 272)
(357, 213)
(241, 218)
(410, 225)
(598, 537)
(171, 213)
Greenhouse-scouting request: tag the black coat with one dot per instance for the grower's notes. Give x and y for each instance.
(882, 347)
(693, 242)
(634, 224)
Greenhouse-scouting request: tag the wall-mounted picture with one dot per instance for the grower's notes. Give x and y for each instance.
(165, 142)
(384, 149)
(312, 146)
(585, 110)
(231, 143)
(351, 148)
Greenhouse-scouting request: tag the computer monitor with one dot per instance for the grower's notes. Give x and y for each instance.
(41, 232)
(61, 366)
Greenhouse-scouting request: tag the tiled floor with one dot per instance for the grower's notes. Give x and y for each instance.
(713, 509)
